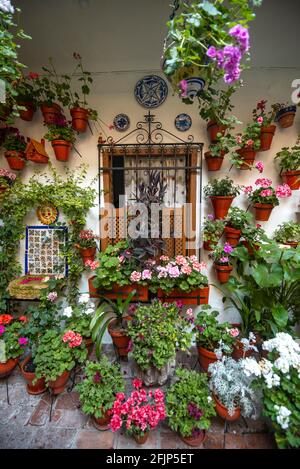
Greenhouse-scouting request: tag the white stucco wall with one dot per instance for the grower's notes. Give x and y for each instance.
(122, 42)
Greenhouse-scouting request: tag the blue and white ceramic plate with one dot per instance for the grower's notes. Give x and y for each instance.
(151, 91)
(121, 122)
(194, 86)
(183, 122)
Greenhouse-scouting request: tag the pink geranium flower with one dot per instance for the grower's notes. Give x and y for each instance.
(137, 383)
(263, 182)
(135, 276)
(234, 332)
(283, 191)
(260, 166)
(146, 274)
(248, 189)
(23, 341)
(186, 269)
(260, 120)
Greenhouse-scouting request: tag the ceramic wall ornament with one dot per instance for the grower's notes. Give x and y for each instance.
(47, 214)
(183, 122)
(151, 91)
(121, 122)
(194, 86)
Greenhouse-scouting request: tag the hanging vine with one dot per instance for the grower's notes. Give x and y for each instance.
(69, 196)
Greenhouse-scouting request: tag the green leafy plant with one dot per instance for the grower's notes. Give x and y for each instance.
(26, 90)
(7, 178)
(212, 229)
(288, 232)
(289, 157)
(238, 218)
(221, 255)
(87, 239)
(221, 187)
(215, 106)
(210, 333)
(14, 141)
(10, 334)
(189, 403)
(97, 392)
(156, 332)
(55, 355)
(61, 130)
(254, 235)
(107, 312)
(78, 318)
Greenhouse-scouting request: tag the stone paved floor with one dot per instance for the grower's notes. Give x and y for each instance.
(24, 423)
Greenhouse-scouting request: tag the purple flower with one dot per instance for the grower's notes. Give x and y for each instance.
(179, 304)
(183, 85)
(212, 52)
(210, 217)
(23, 341)
(2, 330)
(52, 296)
(227, 248)
(97, 377)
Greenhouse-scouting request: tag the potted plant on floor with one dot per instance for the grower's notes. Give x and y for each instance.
(87, 245)
(78, 319)
(7, 178)
(266, 197)
(56, 355)
(289, 162)
(62, 137)
(212, 232)
(247, 145)
(221, 193)
(140, 413)
(285, 114)
(15, 146)
(11, 344)
(157, 331)
(118, 274)
(278, 379)
(180, 279)
(112, 316)
(212, 337)
(236, 220)
(266, 120)
(98, 390)
(231, 389)
(288, 233)
(221, 256)
(190, 406)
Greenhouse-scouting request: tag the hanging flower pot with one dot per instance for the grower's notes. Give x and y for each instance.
(206, 357)
(35, 389)
(28, 113)
(15, 159)
(58, 386)
(286, 116)
(208, 246)
(80, 117)
(141, 439)
(266, 137)
(222, 411)
(214, 163)
(292, 179)
(8, 367)
(232, 235)
(102, 423)
(263, 211)
(248, 156)
(194, 441)
(223, 272)
(221, 205)
(214, 129)
(198, 296)
(292, 244)
(62, 149)
(250, 248)
(51, 113)
(88, 254)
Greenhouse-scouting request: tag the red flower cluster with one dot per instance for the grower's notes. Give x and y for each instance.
(5, 319)
(87, 234)
(141, 412)
(74, 339)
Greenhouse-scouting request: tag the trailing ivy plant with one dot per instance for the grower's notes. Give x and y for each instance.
(69, 196)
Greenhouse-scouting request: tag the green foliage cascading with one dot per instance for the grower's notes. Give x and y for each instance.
(68, 195)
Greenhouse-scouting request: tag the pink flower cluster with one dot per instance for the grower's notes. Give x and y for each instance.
(265, 183)
(7, 174)
(87, 234)
(23, 341)
(141, 412)
(234, 332)
(283, 191)
(93, 265)
(2, 329)
(138, 276)
(260, 166)
(52, 296)
(72, 338)
(181, 266)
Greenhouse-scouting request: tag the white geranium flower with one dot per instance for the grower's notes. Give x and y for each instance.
(283, 416)
(6, 6)
(89, 311)
(251, 367)
(84, 298)
(68, 311)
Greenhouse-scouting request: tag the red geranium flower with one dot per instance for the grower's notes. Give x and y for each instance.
(5, 319)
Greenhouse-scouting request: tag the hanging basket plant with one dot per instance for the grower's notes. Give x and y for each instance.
(221, 193)
(285, 115)
(15, 145)
(289, 162)
(245, 146)
(266, 120)
(62, 137)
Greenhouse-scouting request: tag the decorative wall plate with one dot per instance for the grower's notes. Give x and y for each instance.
(194, 86)
(47, 214)
(151, 91)
(121, 122)
(183, 122)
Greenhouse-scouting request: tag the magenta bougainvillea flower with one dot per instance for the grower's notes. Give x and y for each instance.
(23, 341)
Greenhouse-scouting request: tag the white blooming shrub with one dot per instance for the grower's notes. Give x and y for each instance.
(278, 377)
(233, 387)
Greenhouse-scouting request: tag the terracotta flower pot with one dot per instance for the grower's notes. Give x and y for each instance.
(292, 244)
(120, 338)
(238, 351)
(62, 149)
(102, 423)
(249, 248)
(208, 245)
(232, 235)
(80, 118)
(88, 254)
(221, 205)
(263, 211)
(15, 159)
(190, 441)
(58, 386)
(292, 179)
(8, 367)
(27, 115)
(206, 357)
(34, 389)
(214, 129)
(141, 440)
(286, 116)
(199, 296)
(266, 137)
(214, 163)
(51, 113)
(248, 156)
(223, 272)
(89, 345)
(142, 292)
(223, 412)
